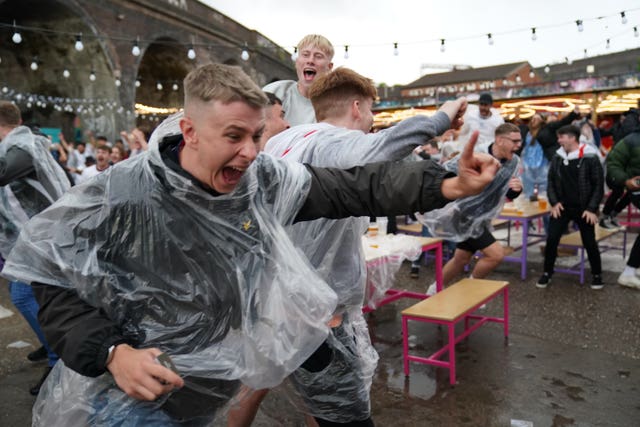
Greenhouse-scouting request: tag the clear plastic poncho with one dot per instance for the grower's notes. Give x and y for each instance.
(467, 217)
(214, 281)
(27, 196)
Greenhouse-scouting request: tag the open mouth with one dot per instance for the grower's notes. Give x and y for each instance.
(309, 74)
(232, 174)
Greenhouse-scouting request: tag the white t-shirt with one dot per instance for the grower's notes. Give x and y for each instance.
(297, 109)
(473, 121)
(89, 172)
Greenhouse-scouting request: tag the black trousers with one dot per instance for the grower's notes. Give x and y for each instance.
(587, 232)
(617, 200)
(634, 256)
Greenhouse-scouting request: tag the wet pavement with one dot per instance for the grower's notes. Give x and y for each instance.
(572, 359)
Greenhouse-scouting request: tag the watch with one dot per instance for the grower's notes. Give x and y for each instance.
(110, 354)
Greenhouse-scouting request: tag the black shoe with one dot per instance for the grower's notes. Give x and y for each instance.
(36, 388)
(38, 355)
(543, 281)
(415, 272)
(596, 282)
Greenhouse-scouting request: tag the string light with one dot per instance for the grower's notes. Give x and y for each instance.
(585, 53)
(191, 53)
(34, 64)
(294, 55)
(175, 86)
(442, 47)
(66, 73)
(532, 73)
(490, 39)
(137, 83)
(92, 75)
(17, 38)
(244, 55)
(396, 52)
(547, 69)
(635, 32)
(623, 17)
(79, 46)
(346, 51)
(118, 82)
(579, 24)
(159, 86)
(534, 37)
(135, 50)
(608, 44)
(518, 78)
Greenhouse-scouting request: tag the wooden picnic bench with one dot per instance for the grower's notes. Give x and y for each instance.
(455, 303)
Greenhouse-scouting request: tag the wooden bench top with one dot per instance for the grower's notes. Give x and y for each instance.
(416, 227)
(456, 300)
(574, 239)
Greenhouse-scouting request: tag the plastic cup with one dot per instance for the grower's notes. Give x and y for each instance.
(382, 226)
(543, 203)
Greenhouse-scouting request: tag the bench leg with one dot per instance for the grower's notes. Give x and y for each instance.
(505, 303)
(452, 353)
(582, 265)
(405, 345)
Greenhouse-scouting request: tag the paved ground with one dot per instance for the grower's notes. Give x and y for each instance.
(573, 358)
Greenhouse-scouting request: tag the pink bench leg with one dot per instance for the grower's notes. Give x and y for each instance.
(452, 353)
(405, 345)
(505, 303)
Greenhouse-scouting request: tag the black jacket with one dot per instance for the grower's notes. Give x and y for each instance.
(590, 183)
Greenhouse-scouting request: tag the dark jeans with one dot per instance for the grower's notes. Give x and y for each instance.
(616, 202)
(587, 231)
(634, 256)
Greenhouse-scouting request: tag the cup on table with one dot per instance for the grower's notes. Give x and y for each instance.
(543, 203)
(382, 225)
(373, 229)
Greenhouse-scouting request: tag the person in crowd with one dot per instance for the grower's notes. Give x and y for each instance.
(103, 157)
(315, 54)
(274, 119)
(547, 135)
(136, 141)
(576, 187)
(196, 224)
(484, 119)
(623, 171)
(535, 163)
(336, 389)
(30, 180)
(507, 141)
(76, 161)
(117, 153)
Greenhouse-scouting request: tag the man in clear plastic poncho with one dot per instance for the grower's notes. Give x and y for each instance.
(30, 181)
(335, 382)
(182, 250)
(468, 221)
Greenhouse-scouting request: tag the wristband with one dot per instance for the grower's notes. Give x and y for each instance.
(110, 354)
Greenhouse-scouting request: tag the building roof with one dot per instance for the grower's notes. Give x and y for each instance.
(471, 75)
(627, 61)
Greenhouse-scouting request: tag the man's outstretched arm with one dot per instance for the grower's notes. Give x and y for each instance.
(394, 188)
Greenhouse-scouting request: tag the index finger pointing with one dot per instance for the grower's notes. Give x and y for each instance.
(467, 153)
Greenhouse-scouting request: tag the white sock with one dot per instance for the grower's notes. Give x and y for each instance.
(629, 271)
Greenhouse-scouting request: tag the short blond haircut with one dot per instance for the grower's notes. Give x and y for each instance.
(316, 40)
(224, 83)
(332, 94)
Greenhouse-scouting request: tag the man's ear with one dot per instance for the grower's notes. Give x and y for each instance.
(330, 66)
(355, 109)
(188, 131)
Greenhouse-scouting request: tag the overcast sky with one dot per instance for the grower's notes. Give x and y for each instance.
(370, 27)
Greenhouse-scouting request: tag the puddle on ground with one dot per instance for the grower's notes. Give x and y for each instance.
(418, 384)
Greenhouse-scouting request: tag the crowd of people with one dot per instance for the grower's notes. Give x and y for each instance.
(224, 255)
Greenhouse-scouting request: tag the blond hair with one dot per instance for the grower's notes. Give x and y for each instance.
(224, 83)
(318, 41)
(332, 94)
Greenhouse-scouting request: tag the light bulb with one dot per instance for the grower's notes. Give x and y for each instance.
(442, 48)
(346, 51)
(244, 55)
(191, 53)
(623, 16)
(66, 73)
(159, 86)
(490, 38)
(579, 24)
(396, 52)
(92, 76)
(79, 46)
(635, 32)
(5, 89)
(534, 36)
(137, 83)
(175, 86)
(294, 55)
(518, 78)
(547, 69)
(608, 44)
(34, 65)
(17, 38)
(135, 50)
(118, 82)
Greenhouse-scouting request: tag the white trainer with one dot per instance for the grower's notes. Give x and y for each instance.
(630, 281)
(432, 290)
